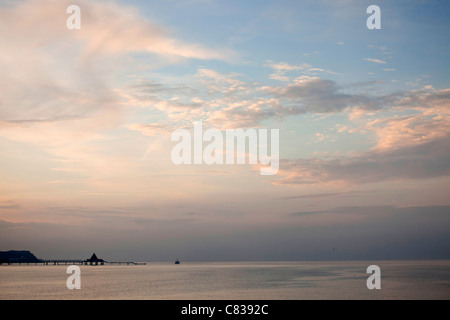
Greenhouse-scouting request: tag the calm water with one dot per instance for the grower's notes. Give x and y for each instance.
(258, 281)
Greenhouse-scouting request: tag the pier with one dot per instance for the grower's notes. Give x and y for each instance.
(93, 261)
(72, 262)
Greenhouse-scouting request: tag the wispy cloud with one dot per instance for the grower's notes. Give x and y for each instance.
(59, 76)
(151, 129)
(9, 204)
(282, 69)
(375, 60)
(316, 195)
(379, 211)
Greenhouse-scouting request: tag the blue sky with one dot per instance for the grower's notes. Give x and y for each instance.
(287, 30)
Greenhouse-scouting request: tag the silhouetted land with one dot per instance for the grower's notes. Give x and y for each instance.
(26, 257)
(18, 257)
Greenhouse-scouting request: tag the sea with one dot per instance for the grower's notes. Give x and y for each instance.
(399, 280)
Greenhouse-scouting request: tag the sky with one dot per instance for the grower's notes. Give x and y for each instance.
(86, 118)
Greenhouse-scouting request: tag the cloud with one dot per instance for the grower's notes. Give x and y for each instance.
(149, 221)
(315, 95)
(51, 73)
(409, 130)
(321, 96)
(217, 82)
(151, 129)
(105, 28)
(246, 113)
(375, 60)
(409, 146)
(426, 160)
(282, 68)
(380, 211)
(316, 195)
(69, 86)
(426, 99)
(218, 99)
(305, 213)
(224, 100)
(228, 102)
(428, 121)
(316, 71)
(145, 99)
(9, 204)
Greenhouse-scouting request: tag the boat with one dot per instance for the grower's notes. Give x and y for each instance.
(177, 261)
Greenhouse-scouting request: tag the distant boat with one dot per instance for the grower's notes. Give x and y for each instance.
(177, 261)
